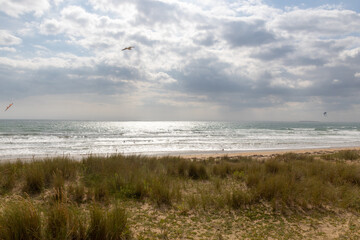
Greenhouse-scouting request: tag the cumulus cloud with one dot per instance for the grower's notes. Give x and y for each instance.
(77, 15)
(17, 8)
(6, 38)
(51, 27)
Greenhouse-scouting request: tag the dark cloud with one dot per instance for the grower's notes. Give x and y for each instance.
(240, 33)
(205, 39)
(336, 81)
(102, 79)
(268, 54)
(305, 61)
(212, 78)
(206, 76)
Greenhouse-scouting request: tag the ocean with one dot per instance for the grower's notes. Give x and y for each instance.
(34, 138)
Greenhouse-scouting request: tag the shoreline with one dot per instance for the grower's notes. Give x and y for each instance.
(187, 155)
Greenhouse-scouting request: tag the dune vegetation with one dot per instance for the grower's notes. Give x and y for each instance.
(285, 196)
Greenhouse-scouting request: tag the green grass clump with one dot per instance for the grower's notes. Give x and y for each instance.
(7, 177)
(58, 222)
(97, 227)
(197, 171)
(237, 199)
(34, 178)
(117, 224)
(61, 166)
(20, 220)
(222, 169)
(64, 223)
(160, 192)
(108, 225)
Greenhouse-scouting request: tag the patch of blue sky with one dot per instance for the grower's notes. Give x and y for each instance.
(7, 22)
(350, 4)
(50, 45)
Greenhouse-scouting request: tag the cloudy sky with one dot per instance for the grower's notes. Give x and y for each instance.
(193, 59)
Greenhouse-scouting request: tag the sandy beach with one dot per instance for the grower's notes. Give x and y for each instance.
(312, 195)
(268, 153)
(197, 155)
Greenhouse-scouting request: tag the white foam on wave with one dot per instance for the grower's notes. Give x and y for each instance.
(84, 137)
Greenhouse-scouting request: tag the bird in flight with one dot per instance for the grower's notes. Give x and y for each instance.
(8, 107)
(128, 48)
(325, 114)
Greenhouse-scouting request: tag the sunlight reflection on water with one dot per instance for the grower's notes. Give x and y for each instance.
(30, 137)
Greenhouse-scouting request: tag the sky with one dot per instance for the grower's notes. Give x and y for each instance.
(262, 60)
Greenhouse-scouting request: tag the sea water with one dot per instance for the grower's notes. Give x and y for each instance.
(31, 138)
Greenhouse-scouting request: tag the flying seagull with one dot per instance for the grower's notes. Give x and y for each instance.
(128, 48)
(8, 107)
(325, 114)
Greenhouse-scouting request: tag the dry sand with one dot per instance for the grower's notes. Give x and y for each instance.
(268, 153)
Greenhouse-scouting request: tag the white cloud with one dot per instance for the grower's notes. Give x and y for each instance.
(318, 21)
(58, 2)
(19, 7)
(51, 27)
(357, 75)
(6, 38)
(77, 16)
(162, 78)
(7, 49)
(126, 9)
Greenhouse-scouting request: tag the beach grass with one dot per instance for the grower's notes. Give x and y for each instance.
(20, 219)
(116, 197)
